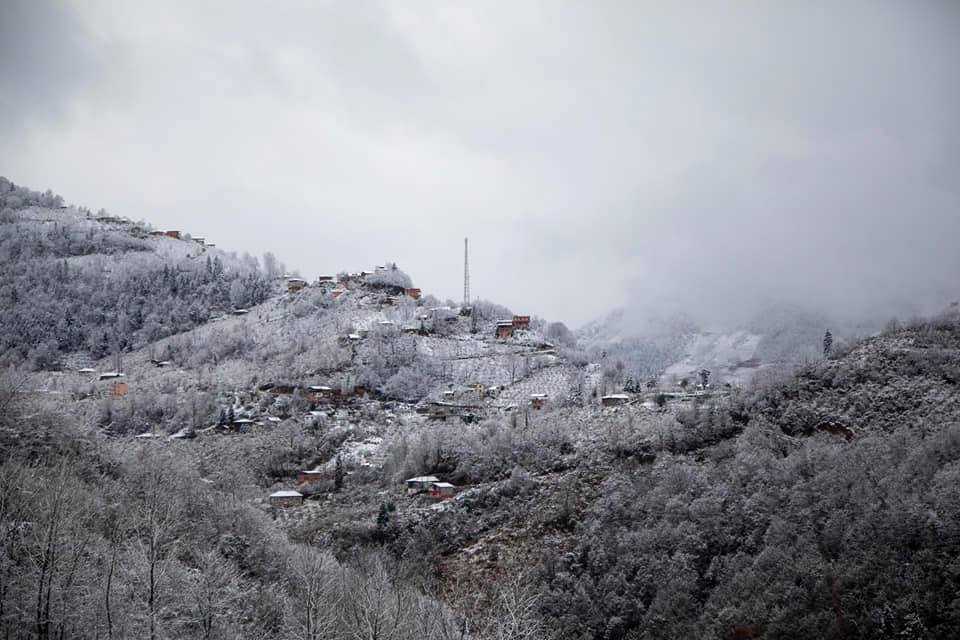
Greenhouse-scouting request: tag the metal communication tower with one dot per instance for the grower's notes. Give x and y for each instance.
(466, 276)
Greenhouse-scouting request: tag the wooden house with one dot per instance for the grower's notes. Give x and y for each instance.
(504, 329)
(172, 233)
(158, 233)
(319, 393)
(537, 400)
(420, 483)
(312, 475)
(442, 490)
(614, 399)
(118, 390)
(242, 424)
(286, 498)
(442, 410)
(295, 284)
(521, 322)
(279, 389)
(413, 292)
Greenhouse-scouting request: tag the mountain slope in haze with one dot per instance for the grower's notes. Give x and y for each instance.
(676, 348)
(647, 346)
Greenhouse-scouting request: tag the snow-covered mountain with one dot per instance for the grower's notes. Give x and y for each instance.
(149, 374)
(196, 330)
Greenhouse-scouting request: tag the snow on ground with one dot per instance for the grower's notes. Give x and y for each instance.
(556, 382)
(723, 354)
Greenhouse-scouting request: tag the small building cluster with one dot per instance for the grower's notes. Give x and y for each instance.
(506, 328)
(176, 234)
(432, 486)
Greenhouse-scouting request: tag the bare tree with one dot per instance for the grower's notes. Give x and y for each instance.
(215, 590)
(15, 514)
(375, 606)
(157, 528)
(514, 615)
(313, 609)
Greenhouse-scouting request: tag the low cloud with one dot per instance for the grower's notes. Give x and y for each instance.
(704, 158)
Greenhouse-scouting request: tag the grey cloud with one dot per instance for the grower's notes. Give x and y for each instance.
(707, 156)
(46, 55)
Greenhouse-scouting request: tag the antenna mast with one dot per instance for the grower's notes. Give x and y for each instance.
(466, 276)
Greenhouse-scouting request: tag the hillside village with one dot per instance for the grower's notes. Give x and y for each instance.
(474, 457)
(334, 351)
(364, 355)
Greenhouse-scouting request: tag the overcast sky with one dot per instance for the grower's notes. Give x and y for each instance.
(709, 156)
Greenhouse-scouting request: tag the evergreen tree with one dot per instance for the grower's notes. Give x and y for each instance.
(827, 342)
(383, 517)
(338, 474)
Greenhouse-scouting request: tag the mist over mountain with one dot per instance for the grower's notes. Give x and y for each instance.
(670, 348)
